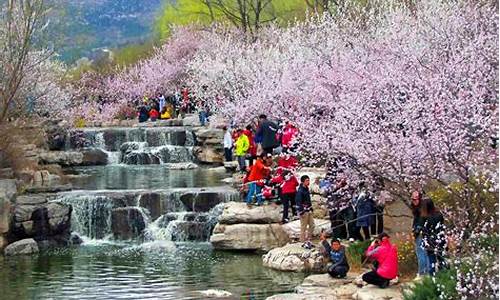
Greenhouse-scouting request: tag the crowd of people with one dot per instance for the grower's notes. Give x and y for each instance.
(355, 212)
(171, 106)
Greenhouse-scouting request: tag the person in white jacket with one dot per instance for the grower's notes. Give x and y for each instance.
(228, 144)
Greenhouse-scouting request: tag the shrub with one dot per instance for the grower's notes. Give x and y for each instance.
(407, 257)
(442, 286)
(355, 254)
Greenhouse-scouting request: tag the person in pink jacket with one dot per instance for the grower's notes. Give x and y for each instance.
(385, 256)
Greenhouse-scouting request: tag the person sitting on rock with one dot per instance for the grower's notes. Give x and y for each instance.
(153, 114)
(336, 252)
(385, 255)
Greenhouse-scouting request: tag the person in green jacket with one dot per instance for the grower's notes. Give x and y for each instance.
(241, 148)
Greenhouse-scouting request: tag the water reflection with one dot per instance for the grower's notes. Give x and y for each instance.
(144, 177)
(111, 271)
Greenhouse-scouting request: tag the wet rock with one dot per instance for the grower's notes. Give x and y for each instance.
(293, 257)
(215, 294)
(22, 247)
(181, 166)
(56, 137)
(63, 158)
(114, 138)
(49, 189)
(260, 237)
(127, 222)
(75, 239)
(231, 165)
(152, 202)
(201, 201)
(165, 136)
(94, 157)
(141, 158)
(238, 212)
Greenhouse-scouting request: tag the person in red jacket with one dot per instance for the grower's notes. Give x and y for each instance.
(256, 181)
(287, 162)
(289, 134)
(386, 256)
(288, 184)
(154, 114)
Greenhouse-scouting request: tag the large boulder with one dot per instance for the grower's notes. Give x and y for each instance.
(371, 292)
(208, 154)
(238, 212)
(261, 237)
(63, 158)
(26, 246)
(397, 217)
(295, 258)
(127, 222)
(94, 157)
(293, 228)
(202, 201)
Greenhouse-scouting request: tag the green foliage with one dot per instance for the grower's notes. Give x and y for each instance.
(131, 54)
(443, 286)
(355, 253)
(187, 12)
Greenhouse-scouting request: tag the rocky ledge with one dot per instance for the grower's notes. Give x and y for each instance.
(295, 258)
(323, 287)
(243, 228)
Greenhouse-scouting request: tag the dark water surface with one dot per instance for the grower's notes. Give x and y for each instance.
(159, 270)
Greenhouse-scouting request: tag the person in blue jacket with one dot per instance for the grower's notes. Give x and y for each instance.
(336, 252)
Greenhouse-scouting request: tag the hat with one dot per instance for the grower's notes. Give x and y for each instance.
(269, 155)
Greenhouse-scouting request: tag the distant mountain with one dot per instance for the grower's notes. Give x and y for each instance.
(80, 27)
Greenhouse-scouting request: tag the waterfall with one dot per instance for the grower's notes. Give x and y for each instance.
(184, 226)
(167, 215)
(140, 146)
(91, 215)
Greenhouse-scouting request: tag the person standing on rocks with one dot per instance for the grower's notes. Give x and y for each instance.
(268, 130)
(256, 180)
(228, 144)
(288, 186)
(417, 227)
(385, 255)
(241, 147)
(304, 209)
(336, 253)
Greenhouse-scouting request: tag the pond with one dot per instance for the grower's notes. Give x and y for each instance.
(155, 269)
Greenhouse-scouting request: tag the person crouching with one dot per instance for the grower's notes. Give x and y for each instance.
(385, 255)
(336, 252)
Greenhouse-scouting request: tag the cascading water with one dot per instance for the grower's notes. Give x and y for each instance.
(140, 146)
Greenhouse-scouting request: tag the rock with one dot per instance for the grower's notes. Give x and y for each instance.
(238, 212)
(5, 215)
(191, 120)
(63, 158)
(208, 155)
(215, 294)
(293, 257)
(201, 201)
(127, 222)
(31, 199)
(248, 237)
(231, 165)
(94, 157)
(181, 166)
(56, 137)
(6, 173)
(371, 292)
(3, 241)
(49, 189)
(8, 189)
(293, 228)
(290, 296)
(75, 239)
(320, 210)
(209, 133)
(397, 217)
(26, 246)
